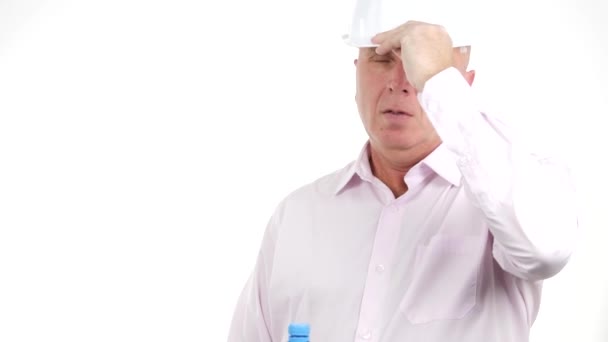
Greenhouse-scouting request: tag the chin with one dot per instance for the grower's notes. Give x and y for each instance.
(399, 144)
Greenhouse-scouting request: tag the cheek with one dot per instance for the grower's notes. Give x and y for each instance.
(369, 91)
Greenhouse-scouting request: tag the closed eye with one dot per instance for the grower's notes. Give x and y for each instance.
(381, 59)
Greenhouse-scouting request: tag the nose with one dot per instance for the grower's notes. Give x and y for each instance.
(398, 81)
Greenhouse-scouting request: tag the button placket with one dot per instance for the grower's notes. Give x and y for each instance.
(376, 283)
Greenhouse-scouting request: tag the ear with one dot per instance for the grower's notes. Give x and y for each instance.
(470, 76)
(355, 62)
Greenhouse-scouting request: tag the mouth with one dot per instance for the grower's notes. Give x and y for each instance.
(396, 112)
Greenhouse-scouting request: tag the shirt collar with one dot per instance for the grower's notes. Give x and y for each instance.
(359, 167)
(441, 162)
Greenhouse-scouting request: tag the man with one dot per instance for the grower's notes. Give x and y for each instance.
(442, 230)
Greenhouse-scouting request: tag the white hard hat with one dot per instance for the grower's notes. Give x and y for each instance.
(371, 17)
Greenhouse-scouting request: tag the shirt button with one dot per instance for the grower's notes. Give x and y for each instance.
(380, 268)
(366, 335)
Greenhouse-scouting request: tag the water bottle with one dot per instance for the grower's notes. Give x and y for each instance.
(299, 332)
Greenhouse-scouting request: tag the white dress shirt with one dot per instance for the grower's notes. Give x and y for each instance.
(459, 257)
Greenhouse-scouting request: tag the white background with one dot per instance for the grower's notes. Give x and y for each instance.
(145, 144)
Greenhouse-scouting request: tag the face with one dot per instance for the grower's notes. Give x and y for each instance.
(388, 105)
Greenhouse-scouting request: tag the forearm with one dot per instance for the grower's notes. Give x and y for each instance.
(529, 203)
(528, 199)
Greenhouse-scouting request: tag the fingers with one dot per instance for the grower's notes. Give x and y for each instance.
(380, 37)
(388, 46)
(388, 41)
(391, 40)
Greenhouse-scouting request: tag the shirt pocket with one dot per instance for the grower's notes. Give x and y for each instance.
(444, 282)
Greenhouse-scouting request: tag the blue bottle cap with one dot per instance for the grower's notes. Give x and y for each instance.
(298, 339)
(299, 330)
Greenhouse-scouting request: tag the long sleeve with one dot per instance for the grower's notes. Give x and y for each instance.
(250, 321)
(527, 195)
